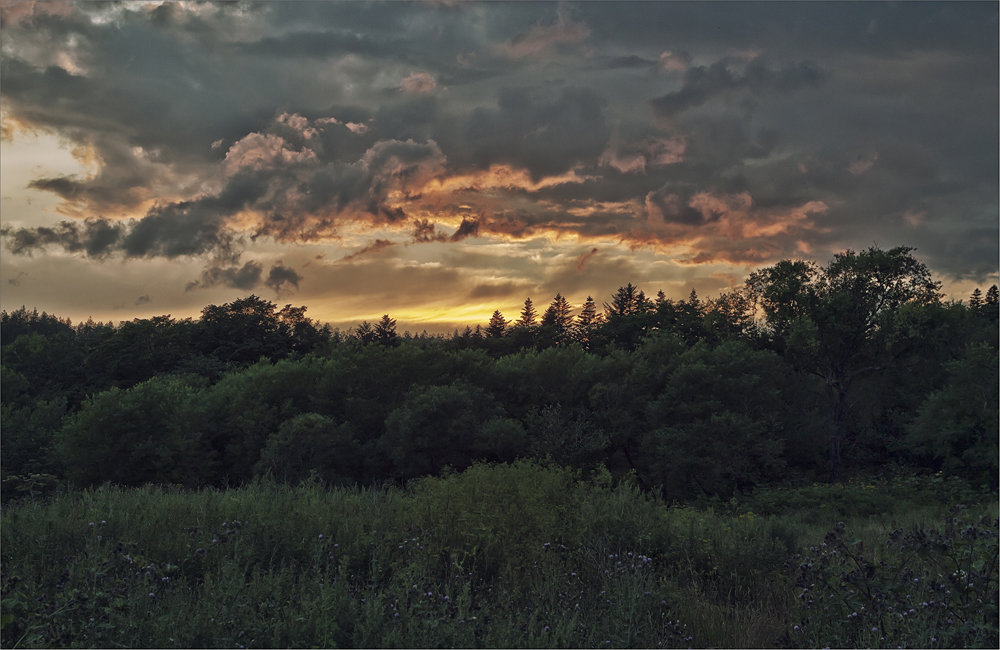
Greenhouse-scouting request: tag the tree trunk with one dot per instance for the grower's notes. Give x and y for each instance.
(837, 397)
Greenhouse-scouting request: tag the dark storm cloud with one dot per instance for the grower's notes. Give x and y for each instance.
(499, 290)
(376, 245)
(280, 275)
(424, 231)
(630, 61)
(284, 120)
(244, 277)
(468, 228)
(95, 237)
(544, 131)
(703, 83)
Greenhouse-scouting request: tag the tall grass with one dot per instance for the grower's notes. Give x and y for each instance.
(520, 555)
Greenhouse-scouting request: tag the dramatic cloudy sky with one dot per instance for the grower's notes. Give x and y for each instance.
(440, 160)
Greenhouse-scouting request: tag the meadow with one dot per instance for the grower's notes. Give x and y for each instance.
(523, 554)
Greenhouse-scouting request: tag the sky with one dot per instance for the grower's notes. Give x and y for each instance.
(439, 160)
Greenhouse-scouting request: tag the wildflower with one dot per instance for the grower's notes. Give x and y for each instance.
(152, 595)
(215, 540)
(796, 628)
(321, 535)
(164, 579)
(104, 522)
(91, 524)
(547, 628)
(874, 629)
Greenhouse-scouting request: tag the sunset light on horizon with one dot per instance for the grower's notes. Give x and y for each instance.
(437, 161)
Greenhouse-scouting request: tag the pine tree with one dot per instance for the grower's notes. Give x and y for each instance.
(497, 326)
(693, 301)
(385, 331)
(528, 315)
(991, 303)
(586, 321)
(558, 314)
(976, 300)
(624, 302)
(364, 332)
(992, 298)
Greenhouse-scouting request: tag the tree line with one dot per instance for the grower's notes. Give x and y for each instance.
(806, 372)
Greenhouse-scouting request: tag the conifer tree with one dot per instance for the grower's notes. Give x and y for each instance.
(558, 314)
(385, 331)
(992, 298)
(976, 300)
(497, 326)
(364, 332)
(586, 321)
(528, 315)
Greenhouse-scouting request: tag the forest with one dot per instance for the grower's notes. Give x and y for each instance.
(806, 373)
(639, 425)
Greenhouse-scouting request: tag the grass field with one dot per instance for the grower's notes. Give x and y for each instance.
(520, 555)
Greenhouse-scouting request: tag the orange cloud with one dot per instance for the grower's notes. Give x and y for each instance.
(497, 177)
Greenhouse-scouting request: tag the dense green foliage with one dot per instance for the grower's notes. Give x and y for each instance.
(808, 372)
(501, 555)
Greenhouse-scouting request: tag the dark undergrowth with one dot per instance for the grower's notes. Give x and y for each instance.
(506, 555)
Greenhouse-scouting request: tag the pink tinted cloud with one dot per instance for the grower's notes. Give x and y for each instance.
(353, 127)
(14, 12)
(726, 227)
(542, 38)
(298, 123)
(652, 152)
(258, 151)
(672, 62)
(418, 82)
(863, 164)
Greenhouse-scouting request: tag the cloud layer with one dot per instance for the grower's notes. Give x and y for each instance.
(224, 136)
